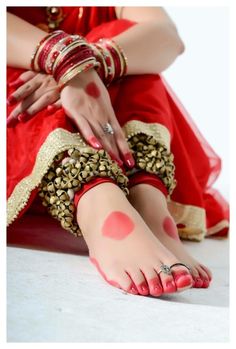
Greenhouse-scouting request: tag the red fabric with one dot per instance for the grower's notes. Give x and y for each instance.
(147, 98)
(147, 178)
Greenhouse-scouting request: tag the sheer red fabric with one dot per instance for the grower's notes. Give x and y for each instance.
(147, 98)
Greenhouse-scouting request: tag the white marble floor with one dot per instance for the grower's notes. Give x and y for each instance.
(56, 295)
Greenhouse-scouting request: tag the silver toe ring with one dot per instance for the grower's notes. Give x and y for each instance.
(184, 265)
(165, 269)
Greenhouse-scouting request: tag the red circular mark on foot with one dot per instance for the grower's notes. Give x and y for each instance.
(170, 228)
(117, 225)
(92, 90)
(111, 282)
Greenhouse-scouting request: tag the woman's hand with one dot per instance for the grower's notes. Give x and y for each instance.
(34, 92)
(87, 103)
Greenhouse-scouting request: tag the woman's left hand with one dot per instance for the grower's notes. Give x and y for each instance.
(34, 92)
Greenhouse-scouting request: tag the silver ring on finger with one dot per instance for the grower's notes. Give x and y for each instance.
(107, 128)
(164, 269)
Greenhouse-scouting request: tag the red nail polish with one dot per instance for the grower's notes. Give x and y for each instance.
(171, 287)
(11, 100)
(51, 108)
(11, 122)
(183, 279)
(120, 163)
(143, 289)
(129, 160)
(198, 283)
(205, 283)
(95, 143)
(133, 289)
(23, 117)
(17, 83)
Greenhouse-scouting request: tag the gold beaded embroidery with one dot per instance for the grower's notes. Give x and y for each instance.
(153, 157)
(63, 179)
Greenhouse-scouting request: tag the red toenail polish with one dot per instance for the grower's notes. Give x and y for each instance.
(198, 283)
(170, 285)
(133, 290)
(143, 288)
(183, 280)
(205, 283)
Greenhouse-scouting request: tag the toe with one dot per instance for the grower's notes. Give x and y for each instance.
(139, 280)
(153, 280)
(197, 281)
(204, 277)
(124, 281)
(209, 273)
(167, 281)
(182, 277)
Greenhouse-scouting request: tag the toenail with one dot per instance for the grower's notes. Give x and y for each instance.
(143, 287)
(205, 283)
(170, 285)
(133, 290)
(180, 275)
(198, 282)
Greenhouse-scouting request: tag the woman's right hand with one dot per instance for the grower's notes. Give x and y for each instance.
(87, 103)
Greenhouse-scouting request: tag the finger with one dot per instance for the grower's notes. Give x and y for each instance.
(107, 141)
(24, 77)
(122, 144)
(86, 131)
(52, 108)
(24, 91)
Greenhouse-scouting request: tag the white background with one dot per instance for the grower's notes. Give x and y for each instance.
(200, 76)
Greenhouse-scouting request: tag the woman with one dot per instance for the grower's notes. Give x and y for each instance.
(106, 150)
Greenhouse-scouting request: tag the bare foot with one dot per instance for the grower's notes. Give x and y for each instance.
(152, 206)
(123, 248)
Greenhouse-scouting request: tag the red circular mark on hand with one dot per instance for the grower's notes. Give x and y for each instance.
(92, 90)
(117, 225)
(170, 228)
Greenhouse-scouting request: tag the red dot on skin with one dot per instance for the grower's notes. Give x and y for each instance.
(92, 90)
(170, 228)
(117, 225)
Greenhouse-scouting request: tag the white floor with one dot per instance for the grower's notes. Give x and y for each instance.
(56, 295)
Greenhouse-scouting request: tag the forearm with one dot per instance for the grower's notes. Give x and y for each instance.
(22, 38)
(153, 44)
(150, 47)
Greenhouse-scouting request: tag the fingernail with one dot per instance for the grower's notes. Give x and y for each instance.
(11, 100)
(51, 108)
(23, 117)
(11, 122)
(129, 160)
(17, 83)
(114, 157)
(95, 143)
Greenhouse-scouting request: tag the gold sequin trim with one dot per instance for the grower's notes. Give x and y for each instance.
(63, 179)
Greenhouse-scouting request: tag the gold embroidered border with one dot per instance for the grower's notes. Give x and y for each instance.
(193, 217)
(158, 131)
(57, 141)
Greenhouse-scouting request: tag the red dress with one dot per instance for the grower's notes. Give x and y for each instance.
(142, 104)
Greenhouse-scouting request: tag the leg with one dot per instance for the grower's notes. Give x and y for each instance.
(152, 206)
(122, 247)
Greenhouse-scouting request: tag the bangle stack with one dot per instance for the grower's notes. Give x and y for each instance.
(113, 62)
(64, 56)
